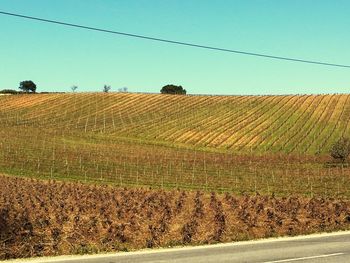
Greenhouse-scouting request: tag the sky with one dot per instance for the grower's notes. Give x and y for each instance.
(57, 57)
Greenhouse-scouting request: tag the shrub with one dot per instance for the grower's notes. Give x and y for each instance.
(8, 91)
(341, 149)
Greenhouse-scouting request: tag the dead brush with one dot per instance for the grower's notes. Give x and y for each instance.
(219, 218)
(96, 219)
(180, 202)
(160, 228)
(190, 228)
(198, 206)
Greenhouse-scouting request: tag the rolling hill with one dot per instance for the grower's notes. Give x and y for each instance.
(291, 124)
(241, 144)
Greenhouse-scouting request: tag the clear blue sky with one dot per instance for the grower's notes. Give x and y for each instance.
(57, 57)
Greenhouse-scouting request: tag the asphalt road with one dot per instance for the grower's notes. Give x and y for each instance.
(333, 247)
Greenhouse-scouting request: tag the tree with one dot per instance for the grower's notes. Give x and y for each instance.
(106, 88)
(74, 88)
(124, 89)
(340, 150)
(27, 86)
(173, 89)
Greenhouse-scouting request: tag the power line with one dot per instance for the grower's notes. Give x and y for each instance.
(174, 42)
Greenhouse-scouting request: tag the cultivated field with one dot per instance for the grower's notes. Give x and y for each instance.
(242, 144)
(290, 124)
(256, 166)
(51, 218)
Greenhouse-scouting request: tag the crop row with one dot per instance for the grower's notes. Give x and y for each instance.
(139, 164)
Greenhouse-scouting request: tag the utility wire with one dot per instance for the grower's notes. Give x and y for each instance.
(174, 42)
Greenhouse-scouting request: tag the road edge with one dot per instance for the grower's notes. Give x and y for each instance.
(174, 249)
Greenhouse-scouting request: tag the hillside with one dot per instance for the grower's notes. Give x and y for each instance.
(300, 124)
(241, 144)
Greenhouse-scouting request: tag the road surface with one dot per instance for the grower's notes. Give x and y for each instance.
(333, 247)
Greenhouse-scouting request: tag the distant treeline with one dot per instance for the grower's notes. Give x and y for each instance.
(14, 92)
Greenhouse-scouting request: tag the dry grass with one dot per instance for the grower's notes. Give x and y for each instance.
(73, 218)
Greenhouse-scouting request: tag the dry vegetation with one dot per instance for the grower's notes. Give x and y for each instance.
(50, 218)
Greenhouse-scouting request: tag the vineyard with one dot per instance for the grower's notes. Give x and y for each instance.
(239, 144)
(290, 124)
(72, 218)
(129, 171)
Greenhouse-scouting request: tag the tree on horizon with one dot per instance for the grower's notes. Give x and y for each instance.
(173, 89)
(27, 86)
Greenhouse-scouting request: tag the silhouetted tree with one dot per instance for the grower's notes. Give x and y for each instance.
(27, 86)
(173, 89)
(106, 88)
(74, 88)
(341, 149)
